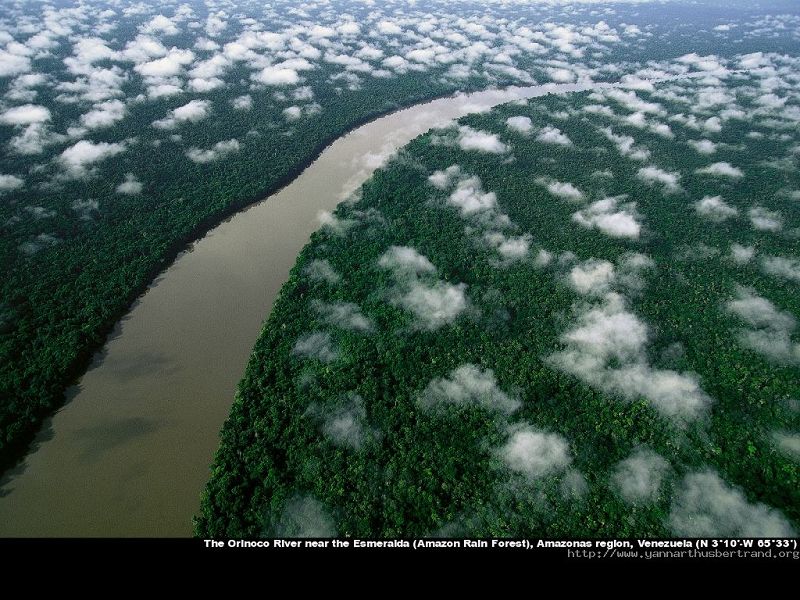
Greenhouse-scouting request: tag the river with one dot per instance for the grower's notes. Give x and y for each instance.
(129, 452)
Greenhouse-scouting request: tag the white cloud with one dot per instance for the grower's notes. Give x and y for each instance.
(405, 260)
(191, 112)
(86, 209)
(434, 303)
(638, 478)
(770, 329)
(626, 145)
(292, 113)
(304, 517)
(592, 277)
(317, 345)
(611, 217)
(606, 349)
(320, 269)
(481, 141)
(242, 102)
(27, 114)
(706, 506)
(13, 64)
(104, 114)
(703, 146)
(785, 268)
(519, 124)
(159, 24)
(468, 385)
(742, 254)
(721, 169)
(216, 152)
(344, 315)
(10, 182)
(167, 66)
(653, 175)
(535, 453)
(389, 28)
(788, 443)
(346, 425)
(131, 186)
(764, 219)
(715, 208)
(277, 76)
(79, 158)
(552, 135)
(470, 198)
(443, 179)
(560, 75)
(565, 191)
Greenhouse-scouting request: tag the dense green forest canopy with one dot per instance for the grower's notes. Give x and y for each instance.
(570, 316)
(129, 129)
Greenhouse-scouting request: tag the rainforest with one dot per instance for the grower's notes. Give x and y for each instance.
(564, 314)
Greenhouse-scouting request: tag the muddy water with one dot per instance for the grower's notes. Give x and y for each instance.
(129, 453)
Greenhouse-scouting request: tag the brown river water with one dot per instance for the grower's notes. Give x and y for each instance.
(129, 452)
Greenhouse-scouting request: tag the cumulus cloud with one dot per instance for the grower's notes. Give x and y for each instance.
(104, 114)
(159, 25)
(191, 112)
(721, 169)
(534, 453)
(443, 179)
(468, 385)
(521, 125)
(405, 261)
(317, 345)
(715, 208)
(38, 243)
(706, 506)
(607, 349)
(10, 182)
(244, 102)
(638, 478)
(626, 145)
(563, 190)
(86, 209)
(703, 146)
(334, 224)
(216, 152)
(167, 66)
(277, 76)
(469, 197)
(764, 219)
(304, 517)
(434, 303)
(611, 216)
(80, 158)
(553, 135)
(320, 269)
(742, 254)
(769, 330)
(344, 422)
(592, 277)
(344, 315)
(788, 443)
(653, 175)
(473, 140)
(779, 266)
(27, 114)
(131, 186)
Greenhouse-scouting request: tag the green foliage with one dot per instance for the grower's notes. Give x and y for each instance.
(432, 471)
